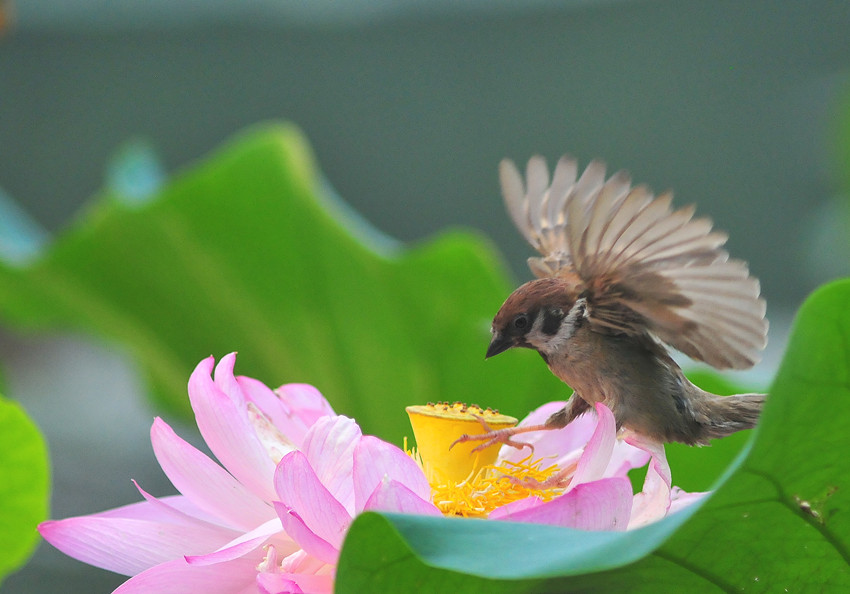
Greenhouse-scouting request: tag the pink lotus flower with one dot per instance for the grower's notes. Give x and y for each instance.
(272, 517)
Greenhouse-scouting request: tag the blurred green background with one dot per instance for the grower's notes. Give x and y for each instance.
(409, 107)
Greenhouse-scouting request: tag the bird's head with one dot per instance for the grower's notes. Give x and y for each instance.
(542, 314)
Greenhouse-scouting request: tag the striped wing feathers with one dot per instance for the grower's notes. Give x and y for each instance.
(642, 264)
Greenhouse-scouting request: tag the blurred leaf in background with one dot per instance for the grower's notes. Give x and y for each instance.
(777, 521)
(21, 238)
(135, 174)
(23, 485)
(245, 252)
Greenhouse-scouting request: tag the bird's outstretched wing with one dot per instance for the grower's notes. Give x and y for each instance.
(641, 264)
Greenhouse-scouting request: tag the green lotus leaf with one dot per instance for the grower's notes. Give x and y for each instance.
(24, 485)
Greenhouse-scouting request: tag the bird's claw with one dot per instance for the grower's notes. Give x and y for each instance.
(491, 437)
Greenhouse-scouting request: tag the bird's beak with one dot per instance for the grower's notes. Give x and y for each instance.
(499, 344)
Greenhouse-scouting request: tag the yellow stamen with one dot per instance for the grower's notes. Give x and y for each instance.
(495, 486)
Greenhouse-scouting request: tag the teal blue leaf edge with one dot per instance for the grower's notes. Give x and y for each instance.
(470, 546)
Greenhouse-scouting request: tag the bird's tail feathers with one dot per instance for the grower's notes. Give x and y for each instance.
(729, 414)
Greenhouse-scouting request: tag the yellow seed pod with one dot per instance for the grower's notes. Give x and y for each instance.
(437, 426)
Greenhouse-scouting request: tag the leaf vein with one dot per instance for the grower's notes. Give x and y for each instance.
(696, 570)
(788, 502)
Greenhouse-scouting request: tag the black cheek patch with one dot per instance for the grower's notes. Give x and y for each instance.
(552, 321)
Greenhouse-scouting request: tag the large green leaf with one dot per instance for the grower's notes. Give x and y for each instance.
(246, 252)
(779, 519)
(23, 485)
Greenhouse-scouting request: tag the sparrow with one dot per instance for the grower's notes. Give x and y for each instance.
(621, 274)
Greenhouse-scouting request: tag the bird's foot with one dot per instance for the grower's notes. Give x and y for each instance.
(493, 436)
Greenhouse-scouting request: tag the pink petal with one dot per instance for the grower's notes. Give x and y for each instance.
(231, 437)
(144, 510)
(680, 499)
(225, 380)
(275, 583)
(301, 562)
(329, 447)
(394, 496)
(178, 577)
(311, 542)
(539, 415)
(129, 546)
(653, 501)
(206, 483)
(376, 462)
(501, 513)
(294, 583)
(174, 510)
(301, 490)
(175, 502)
(281, 414)
(601, 505)
(625, 457)
(305, 403)
(245, 543)
(597, 453)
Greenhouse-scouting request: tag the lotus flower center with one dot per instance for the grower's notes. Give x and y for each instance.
(470, 484)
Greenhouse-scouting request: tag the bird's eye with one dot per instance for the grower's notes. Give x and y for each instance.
(521, 322)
